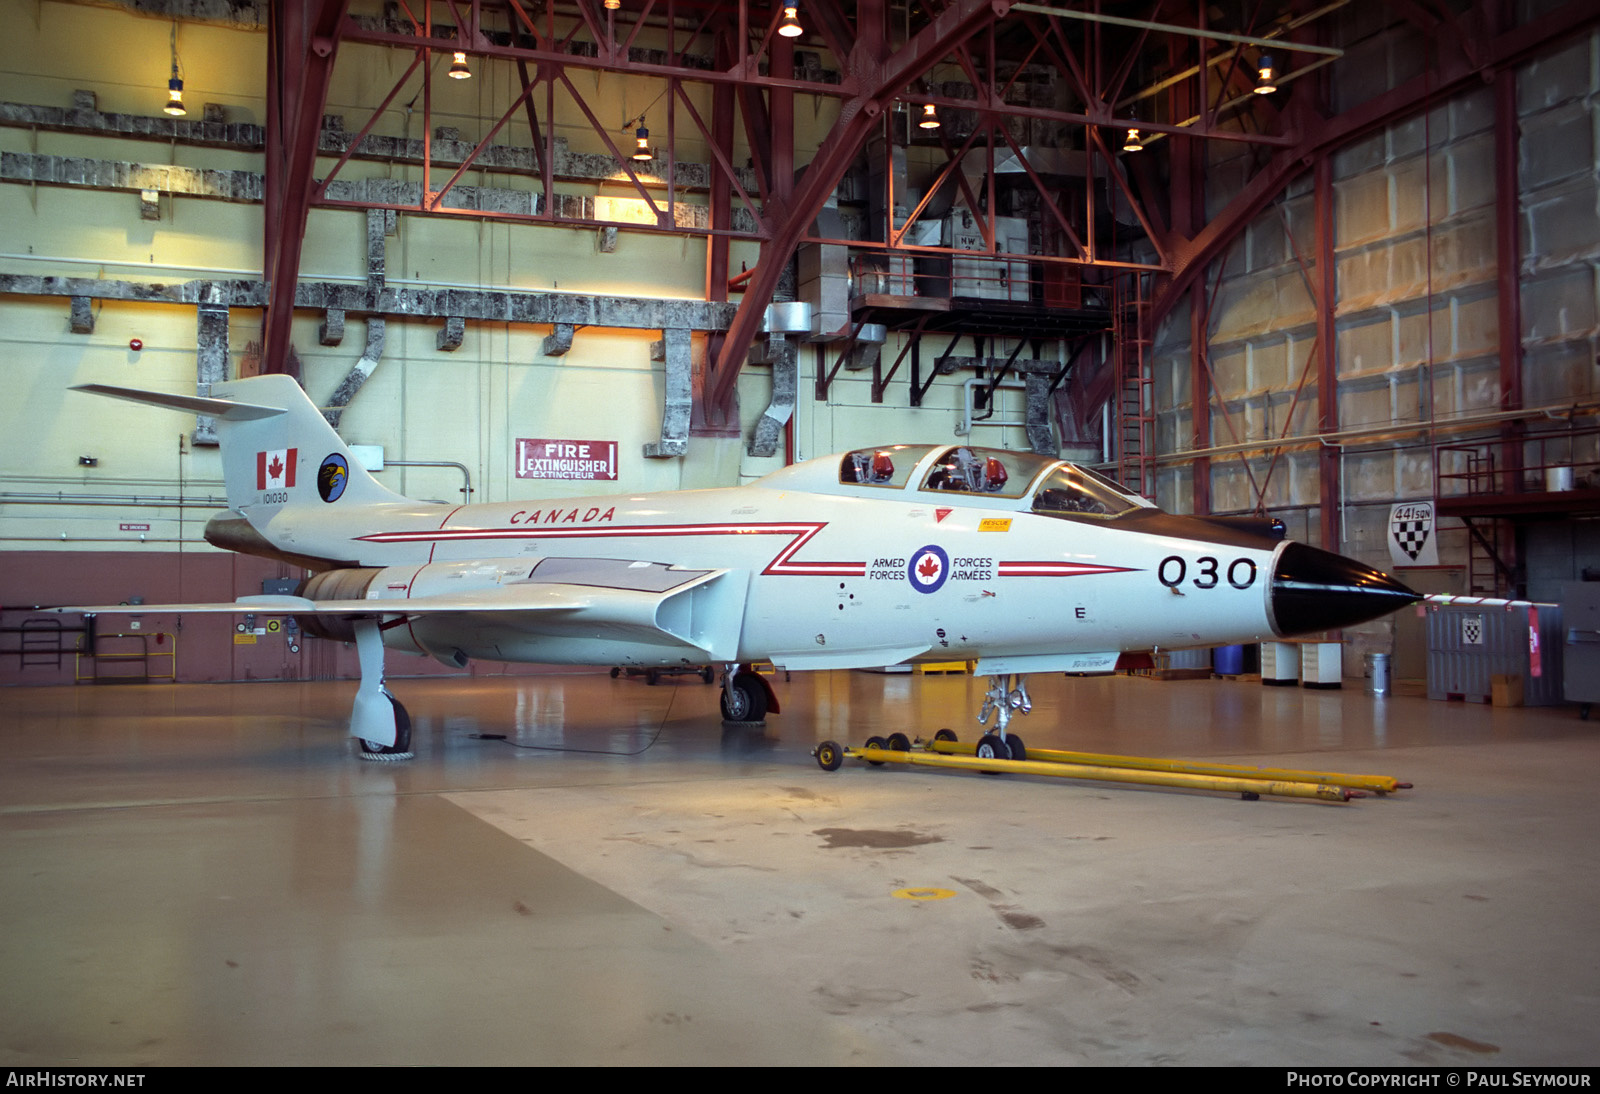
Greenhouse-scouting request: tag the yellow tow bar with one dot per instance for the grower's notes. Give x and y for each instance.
(1249, 782)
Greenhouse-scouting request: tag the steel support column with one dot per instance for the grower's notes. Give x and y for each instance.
(1508, 261)
(1327, 370)
(303, 42)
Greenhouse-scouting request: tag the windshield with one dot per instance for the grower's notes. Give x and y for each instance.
(1071, 491)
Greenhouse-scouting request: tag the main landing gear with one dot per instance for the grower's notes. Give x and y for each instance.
(1002, 698)
(378, 752)
(746, 698)
(378, 722)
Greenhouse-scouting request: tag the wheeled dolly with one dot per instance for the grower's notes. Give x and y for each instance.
(946, 751)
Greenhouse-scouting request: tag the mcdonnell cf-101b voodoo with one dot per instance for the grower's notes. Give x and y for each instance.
(1022, 563)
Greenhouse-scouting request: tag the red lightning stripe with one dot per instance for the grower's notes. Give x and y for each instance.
(781, 563)
(1058, 569)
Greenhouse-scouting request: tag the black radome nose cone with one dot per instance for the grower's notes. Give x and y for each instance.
(1315, 590)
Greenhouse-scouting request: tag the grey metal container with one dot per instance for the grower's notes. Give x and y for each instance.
(1470, 643)
(1580, 607)
(1378, 674)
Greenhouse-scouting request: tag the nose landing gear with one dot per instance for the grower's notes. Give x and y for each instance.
(1002, 698)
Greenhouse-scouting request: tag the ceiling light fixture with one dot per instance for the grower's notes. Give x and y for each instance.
(613, 5)
(641, 140)
(458, 67)
(175, 84)
(790, 26)
(930, 117)
(1266, 82)
(1134, 143)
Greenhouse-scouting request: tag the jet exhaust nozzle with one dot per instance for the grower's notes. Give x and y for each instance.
(1316, 590)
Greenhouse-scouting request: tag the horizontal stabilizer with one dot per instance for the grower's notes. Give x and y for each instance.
(226, 409)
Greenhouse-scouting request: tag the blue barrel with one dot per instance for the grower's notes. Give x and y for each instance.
(1227, 660)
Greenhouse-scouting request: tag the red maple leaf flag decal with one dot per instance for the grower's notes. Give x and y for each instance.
(275, 469)
(928, 567)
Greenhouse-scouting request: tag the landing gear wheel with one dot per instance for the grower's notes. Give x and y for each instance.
(706, 675)
(991, 747)
(899, 742)
(401, 749)
(652, 677)
(829, 755)
(876, 742)
(615, 672)
(1014, 743)
(945, 735)
(744, 699)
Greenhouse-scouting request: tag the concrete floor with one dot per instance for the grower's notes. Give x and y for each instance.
(205, 875)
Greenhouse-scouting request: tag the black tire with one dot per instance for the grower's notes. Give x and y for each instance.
(652, 677)
(706, 675)
(401, 749)
(875, 742)
(1014, 743)
(991, 747)
(744, 699)
(899, 742)
(829, 755)
(615, 672)
(945, 735)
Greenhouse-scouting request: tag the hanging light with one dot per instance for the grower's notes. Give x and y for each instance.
(175, 97)
(1134, 143)
(641, 141)
(790, 26)
(458, 67)
(175, 84)
(930, 117)
(1266, 81)
(613, 5)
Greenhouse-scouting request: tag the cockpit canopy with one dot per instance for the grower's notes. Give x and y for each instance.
(1060, 489)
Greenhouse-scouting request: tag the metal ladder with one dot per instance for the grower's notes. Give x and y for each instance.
(1135, 388)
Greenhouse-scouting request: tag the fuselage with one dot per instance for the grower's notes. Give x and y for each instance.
(837, 564)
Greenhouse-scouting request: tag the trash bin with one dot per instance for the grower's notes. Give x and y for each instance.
(1377, 674)
(1228, 660)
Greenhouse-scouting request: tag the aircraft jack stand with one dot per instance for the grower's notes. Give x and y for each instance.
(1248, 782)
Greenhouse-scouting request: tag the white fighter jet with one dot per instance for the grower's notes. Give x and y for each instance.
(877, 557)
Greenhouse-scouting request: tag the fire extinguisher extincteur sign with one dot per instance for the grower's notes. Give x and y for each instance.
(546, 458)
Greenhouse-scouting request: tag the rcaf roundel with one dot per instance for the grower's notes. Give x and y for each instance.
(928, 569)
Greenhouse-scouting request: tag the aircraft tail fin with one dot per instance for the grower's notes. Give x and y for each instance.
(277, 448)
